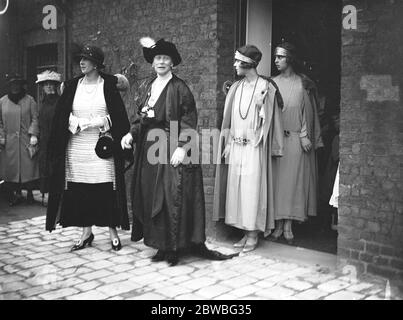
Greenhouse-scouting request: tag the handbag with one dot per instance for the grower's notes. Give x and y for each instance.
(104, 146)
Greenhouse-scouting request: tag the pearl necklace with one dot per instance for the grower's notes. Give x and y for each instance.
(86, 84)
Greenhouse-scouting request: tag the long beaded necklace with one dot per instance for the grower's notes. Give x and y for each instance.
(251, 99)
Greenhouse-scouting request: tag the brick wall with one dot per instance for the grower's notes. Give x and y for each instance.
(9, 43)
(371, 141)
(116, 26)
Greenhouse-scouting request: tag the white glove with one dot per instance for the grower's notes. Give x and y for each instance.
(226, 151)
(97, 122)
(34, 140)
(126, 141)
(178, 156)
(83, 123)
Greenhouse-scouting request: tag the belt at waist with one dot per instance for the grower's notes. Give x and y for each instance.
(242, 141)
(288, 133)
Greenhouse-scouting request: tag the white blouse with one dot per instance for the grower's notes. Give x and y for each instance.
(156, 89)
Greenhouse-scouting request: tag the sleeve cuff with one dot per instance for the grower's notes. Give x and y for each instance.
(73, 124)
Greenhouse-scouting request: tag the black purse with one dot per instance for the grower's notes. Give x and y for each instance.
(104, 146)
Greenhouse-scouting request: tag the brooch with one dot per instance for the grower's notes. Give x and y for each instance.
(242, 141)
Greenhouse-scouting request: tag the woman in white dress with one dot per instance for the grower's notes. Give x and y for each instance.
(248, 126)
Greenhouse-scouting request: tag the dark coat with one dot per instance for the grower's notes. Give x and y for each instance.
(177, 205)
(59, 139)
(47, 109)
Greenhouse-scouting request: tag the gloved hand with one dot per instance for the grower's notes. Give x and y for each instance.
(178, 156)
(34, 140)
(97, 122)
(83, 123)
(126, 141)
(226, 151)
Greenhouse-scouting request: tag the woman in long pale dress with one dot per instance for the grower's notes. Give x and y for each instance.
(296, 171)
(249, 117)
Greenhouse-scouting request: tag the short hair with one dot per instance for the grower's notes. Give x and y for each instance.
(292, 59)
(245, 65)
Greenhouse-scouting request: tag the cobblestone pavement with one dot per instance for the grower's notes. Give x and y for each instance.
(36, 264)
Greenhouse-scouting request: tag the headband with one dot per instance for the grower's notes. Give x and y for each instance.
(239, 56)
(282, 52)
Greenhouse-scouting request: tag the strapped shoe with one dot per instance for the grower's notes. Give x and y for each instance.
(241, 243)
(82, 244)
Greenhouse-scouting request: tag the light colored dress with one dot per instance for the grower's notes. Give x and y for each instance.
(244, 197)
(295, 190)
(82, 163)
(334, 200)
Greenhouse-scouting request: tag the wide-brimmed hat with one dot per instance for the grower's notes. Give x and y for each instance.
(94, 54)
(48, 75)
(152, 49)
(15, 77)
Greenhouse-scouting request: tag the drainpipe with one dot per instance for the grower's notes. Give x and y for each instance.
(65, 45)
(63, 5)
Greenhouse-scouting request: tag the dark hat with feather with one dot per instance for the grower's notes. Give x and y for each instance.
(161, 47)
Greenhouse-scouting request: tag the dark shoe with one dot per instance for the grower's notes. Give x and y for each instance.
(81, 244)
(116, 244)
(172, 258)
(202, 251)
(159, 256)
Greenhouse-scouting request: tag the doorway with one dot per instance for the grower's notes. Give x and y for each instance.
(314, 26)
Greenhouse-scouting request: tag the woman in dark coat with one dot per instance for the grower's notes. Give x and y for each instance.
(87, 190)
(167, 191)
(49, 81)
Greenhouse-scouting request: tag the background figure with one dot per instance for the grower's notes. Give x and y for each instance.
(328, 180)
(167, 194)
(334, 199)
(19, 132)
(252, 133)
(296, 172)
(49, 81)
(85, 189)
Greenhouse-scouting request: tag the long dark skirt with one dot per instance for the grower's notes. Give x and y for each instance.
(169, 230)
(86, 205)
